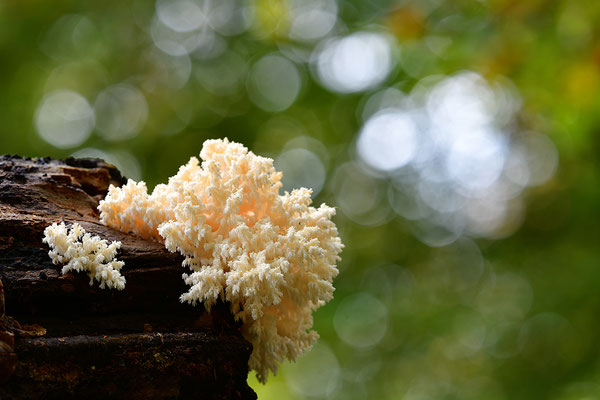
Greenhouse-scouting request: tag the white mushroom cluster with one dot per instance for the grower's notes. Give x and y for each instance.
(80, 251)
(271, 257)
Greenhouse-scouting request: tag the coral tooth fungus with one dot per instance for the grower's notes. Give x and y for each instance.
(272, 257)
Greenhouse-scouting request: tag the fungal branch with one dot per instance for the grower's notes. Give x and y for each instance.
(271, 257)
(80, 251)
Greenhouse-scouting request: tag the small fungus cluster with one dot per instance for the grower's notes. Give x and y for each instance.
(80, 251)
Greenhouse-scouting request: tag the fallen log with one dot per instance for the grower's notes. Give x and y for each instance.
(61, 338)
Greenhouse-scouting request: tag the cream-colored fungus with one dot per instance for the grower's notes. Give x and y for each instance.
(272, 257)
(80, 251)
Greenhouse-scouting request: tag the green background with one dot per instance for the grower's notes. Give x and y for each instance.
(478, 283)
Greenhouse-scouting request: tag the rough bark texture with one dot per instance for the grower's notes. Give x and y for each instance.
(73, 340)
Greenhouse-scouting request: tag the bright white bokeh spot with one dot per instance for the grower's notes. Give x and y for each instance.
(180, 15)
(274, 83)
(475, 159)
(354, 63)
(301, 168)
(64, 119)
(460, 104)
(121, 112)
(315, 374)
(361, 320)
(434, 169)
(461, 111)
(388, 141)
(312, 19)
(468, 173)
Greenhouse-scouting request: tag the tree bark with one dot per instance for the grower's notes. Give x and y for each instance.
(61, 338)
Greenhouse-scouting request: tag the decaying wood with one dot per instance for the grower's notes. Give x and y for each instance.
(73, 340)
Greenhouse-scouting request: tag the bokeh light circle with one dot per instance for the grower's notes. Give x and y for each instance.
(274, 83)
(64, 119)
(388, 141)
(121, 112)
(354, 63)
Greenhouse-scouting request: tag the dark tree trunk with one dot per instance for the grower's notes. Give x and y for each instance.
(73, 340)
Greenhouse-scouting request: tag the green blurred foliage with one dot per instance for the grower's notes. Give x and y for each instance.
(510, 313)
